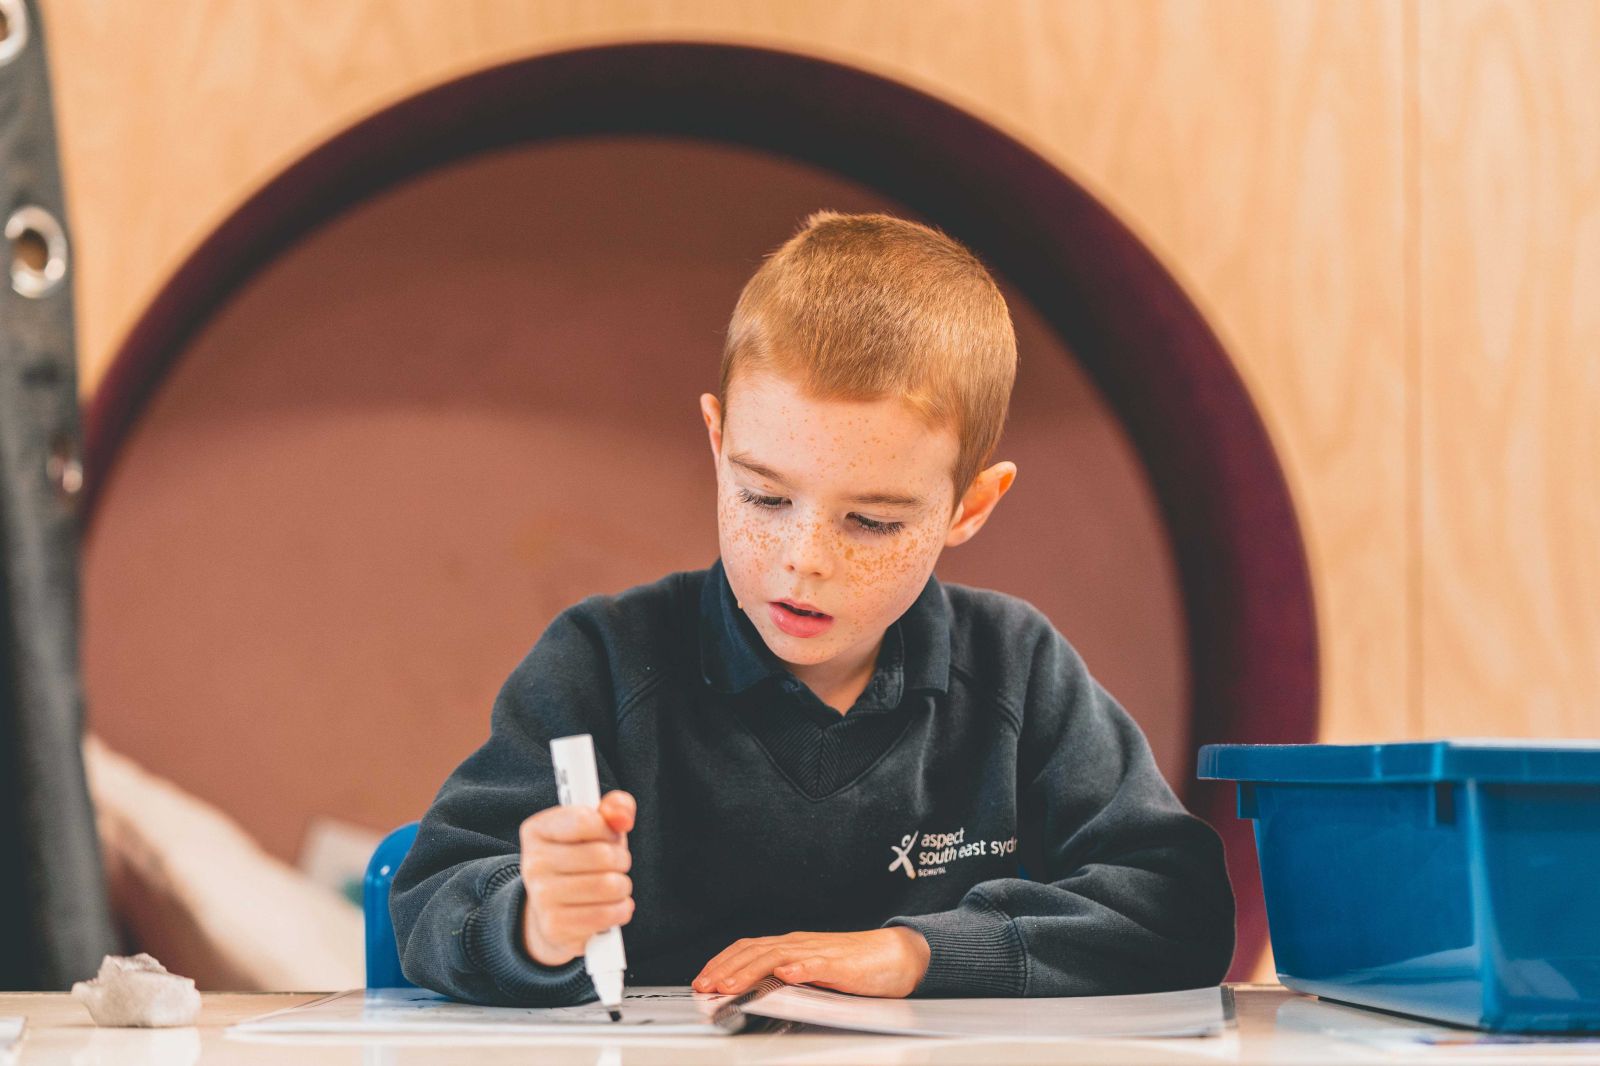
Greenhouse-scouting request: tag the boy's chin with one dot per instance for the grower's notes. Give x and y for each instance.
(799, 651)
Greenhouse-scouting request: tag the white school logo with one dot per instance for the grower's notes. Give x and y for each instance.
(902, 854)
(941, 848)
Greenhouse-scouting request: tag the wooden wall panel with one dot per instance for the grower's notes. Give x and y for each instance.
(1508, 199)
(1256, 148)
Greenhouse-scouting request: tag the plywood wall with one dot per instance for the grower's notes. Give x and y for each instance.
(1506, 206)
(1390, 212)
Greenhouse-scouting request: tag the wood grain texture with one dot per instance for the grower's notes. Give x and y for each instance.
(1509, 313)
(1256, 148)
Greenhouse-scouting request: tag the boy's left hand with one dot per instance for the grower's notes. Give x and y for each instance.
(875, 962)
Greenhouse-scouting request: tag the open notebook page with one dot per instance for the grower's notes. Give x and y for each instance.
(1195, 1012)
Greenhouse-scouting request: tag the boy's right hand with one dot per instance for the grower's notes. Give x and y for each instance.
(575, 865)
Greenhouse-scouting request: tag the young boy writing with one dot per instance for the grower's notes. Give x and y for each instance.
(821, 762)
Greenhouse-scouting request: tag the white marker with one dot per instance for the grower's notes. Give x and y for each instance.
(578, 785)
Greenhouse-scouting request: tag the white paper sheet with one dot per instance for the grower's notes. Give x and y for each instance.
(678, 1010)
(646, 1011)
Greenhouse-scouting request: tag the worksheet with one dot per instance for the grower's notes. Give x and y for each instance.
(658, 1011)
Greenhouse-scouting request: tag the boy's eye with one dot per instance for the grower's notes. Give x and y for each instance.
(872, 526)
(867, 525)
(760, 501)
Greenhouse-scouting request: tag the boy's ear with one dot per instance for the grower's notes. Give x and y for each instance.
(711, 414)
(979, 501)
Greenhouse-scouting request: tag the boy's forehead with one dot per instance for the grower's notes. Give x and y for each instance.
(768, 405)
(777, 432)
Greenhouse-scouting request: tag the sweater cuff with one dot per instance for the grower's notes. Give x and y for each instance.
(972, 952)
(492, 936)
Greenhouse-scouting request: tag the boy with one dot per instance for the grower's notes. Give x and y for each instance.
(823, 763)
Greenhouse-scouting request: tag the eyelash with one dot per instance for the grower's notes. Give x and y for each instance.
(868, 525)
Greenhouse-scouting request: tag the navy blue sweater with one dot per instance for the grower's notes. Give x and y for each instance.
(984, 789)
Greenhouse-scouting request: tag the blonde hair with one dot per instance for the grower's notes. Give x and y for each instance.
(863, 307)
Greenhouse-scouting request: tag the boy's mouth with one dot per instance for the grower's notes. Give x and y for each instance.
(798, 621)
(804, 612)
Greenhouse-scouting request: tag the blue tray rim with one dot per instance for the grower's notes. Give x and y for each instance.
(1483, 759)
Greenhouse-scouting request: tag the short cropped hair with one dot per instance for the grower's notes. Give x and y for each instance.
(863, 307)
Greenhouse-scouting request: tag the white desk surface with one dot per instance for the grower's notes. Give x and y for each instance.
(1275, 1026)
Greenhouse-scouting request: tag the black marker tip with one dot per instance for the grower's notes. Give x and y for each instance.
(616, 1015)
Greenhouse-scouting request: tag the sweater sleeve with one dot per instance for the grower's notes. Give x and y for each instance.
(458, 897)
(1127, 891)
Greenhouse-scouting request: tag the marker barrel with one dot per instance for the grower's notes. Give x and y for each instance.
(578, 785)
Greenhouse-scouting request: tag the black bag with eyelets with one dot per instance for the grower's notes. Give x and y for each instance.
(54, 919)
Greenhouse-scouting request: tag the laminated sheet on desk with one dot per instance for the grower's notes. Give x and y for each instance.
(645, 1011)
(1419, 1040)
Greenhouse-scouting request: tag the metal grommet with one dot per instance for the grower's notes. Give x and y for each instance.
(13, 30)
(38, 250)
(65, 468)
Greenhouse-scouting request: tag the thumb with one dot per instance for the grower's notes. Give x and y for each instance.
(618, 809)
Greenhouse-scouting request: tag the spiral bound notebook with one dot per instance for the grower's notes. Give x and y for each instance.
(677, 1010)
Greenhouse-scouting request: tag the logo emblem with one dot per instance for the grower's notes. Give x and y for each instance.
(902, 855)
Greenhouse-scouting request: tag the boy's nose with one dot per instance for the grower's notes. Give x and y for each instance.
(809, 549)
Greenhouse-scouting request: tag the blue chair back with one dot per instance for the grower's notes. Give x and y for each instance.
(383, 956)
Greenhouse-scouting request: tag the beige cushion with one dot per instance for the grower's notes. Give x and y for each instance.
(190, 887)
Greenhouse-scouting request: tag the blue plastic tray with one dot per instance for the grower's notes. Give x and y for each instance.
(1453, 880)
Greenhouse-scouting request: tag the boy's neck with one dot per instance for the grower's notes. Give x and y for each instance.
(838, 684)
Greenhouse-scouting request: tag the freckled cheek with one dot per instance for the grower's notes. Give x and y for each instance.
(905, 560)
(743, 531)
(727, 517)
(881, 570)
